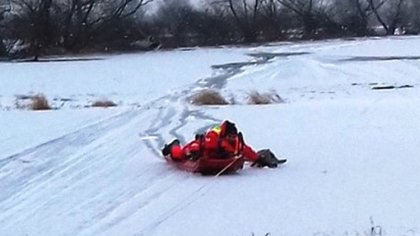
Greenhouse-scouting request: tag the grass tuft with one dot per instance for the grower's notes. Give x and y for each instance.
(39, 102)
(208, 97)
(103, 103)
(257, 98)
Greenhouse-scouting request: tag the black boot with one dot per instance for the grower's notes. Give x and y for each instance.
(267, 158)
(167, 148)
(199, 137)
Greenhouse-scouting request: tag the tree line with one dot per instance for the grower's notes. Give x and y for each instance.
(31, 28)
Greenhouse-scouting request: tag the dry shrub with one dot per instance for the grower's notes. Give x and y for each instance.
(257, 98)
(104, 103)
(208, 97)
(39, 102)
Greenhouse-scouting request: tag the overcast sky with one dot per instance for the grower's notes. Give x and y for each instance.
(194, 2)
(155, 4)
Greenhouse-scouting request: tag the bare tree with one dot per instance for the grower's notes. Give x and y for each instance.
(178, 23)
(306, 11)
(275, 20)
(353, 16)
(413, 19)
(360, 18)
(218, 25)
(86, 19)
(72, 24)
(31, 22)
(333, 17)
(391, 16)
(4, 8)
(175, 19)
(42, 38)
(245, 13)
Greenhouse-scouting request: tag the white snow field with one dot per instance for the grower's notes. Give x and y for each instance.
(353, 146)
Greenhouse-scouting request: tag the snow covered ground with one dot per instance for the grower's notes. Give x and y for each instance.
(352, 147)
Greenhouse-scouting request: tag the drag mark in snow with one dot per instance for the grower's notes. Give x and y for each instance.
(229, 70)
(266, 56)
(98, 125)
(152, 137)
(166, 118)
(49, 154)
(183, 121)
(152, 190)
(163, 119)
(379, 58)
(192, 198)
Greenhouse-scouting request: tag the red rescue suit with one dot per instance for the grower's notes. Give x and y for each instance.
(216, 144)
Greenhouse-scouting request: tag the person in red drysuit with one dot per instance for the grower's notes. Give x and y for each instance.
(222, 141)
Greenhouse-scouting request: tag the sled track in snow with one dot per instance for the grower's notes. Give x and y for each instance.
(50, 153)
(43, 172)
(93, 128)
(125, 210)
(169, 115)
(166, 118)
(201, 191)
